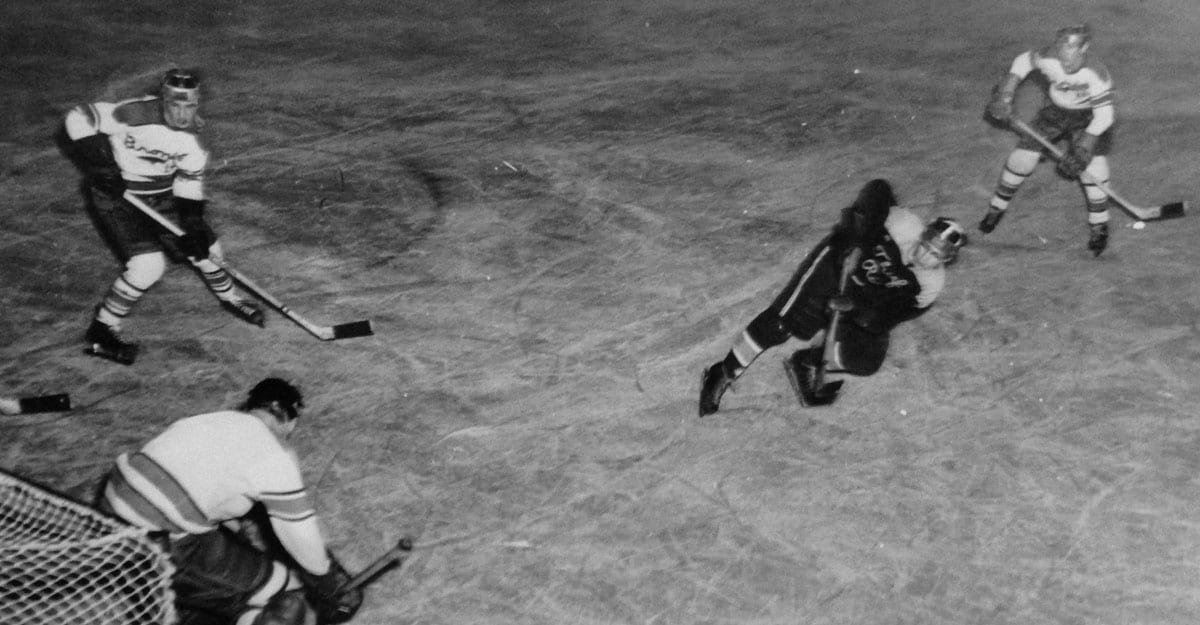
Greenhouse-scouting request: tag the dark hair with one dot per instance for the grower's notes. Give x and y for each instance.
(1083, 31)
(275, 390)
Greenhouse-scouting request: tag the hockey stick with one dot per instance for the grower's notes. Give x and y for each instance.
(325, 333)
(58, 402)
(1150, 213)
(815, 391)
(394, 556)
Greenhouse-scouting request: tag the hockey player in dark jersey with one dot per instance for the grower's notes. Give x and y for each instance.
(148, 147)
(1079, 110)
(896, 267)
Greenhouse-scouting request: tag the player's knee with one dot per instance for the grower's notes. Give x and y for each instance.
(1098, 168)
(286, 608)
(766, 330)
(143, 270)
(1023, 161)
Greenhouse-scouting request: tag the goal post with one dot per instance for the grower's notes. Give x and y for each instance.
(64, 563)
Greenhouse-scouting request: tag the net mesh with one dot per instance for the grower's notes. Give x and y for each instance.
(67, 564)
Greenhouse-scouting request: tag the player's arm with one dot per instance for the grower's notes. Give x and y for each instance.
(90, 149)
(880, 307)
(1000, 107)
(188, 191)
(294, 521)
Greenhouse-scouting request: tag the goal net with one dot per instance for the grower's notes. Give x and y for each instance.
(63, 563)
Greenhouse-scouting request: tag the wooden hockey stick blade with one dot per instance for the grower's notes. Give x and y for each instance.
(58, 402)
(1174, 210)
(392, 557)
(352, 329)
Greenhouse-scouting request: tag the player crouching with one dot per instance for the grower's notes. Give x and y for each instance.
(198, 480)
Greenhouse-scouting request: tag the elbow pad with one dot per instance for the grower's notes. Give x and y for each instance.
(94, 153)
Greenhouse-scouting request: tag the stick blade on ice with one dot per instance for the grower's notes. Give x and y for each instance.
(59, 402)
(353, 329)
(1173, 210)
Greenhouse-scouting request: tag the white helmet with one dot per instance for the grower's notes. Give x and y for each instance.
(945, 236)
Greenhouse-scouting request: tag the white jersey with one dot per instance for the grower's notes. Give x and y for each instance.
(905, 228)
(211, 468)
(1089, 88)
(153, 157)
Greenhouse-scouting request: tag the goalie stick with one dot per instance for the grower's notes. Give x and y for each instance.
(1142, 213)
(394, 556)
(325, 333)
(58, 402)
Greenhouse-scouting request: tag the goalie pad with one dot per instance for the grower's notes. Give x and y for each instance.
(286, 608)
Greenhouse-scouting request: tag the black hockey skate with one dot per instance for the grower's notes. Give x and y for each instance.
(990, 220)
(807, 375)
(246, 311)
(713, 384)
(1098, 238)
(105, 342)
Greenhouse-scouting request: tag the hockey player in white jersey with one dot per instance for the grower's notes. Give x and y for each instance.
(201, 477)
(1079, 111)
(149, 147)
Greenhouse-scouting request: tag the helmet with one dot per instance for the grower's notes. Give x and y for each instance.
(180, 93)
(275, 390)
(180, 85)
(945, 236)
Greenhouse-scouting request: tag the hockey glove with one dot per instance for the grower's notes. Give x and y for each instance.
(322, 590)
(1077, 158)
(196, 237)
(1000, 108)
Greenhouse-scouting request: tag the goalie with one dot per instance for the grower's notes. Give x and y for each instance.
(895, 271)
(148, 147)
(199, 479)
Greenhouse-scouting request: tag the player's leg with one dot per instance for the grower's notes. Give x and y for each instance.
(1050, 122)
(218, 281)
(220, 575)
(1019, 165)
(859, 351)
(285, 608)
(764, 332)
(1097, 204)
(134, 239)
(795, 312)
(105, 333)
(221, 284)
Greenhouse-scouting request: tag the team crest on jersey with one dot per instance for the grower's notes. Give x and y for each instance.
(1078, 89)
(882, 267)
(150, 154)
